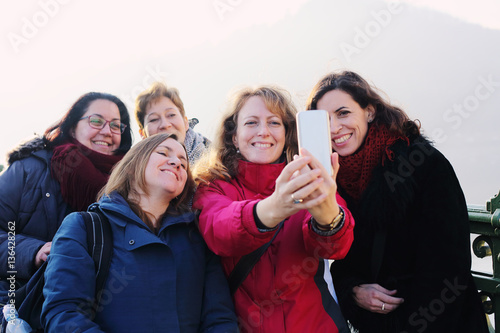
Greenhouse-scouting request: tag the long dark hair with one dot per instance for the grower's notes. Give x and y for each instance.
(360, 90)
(61, 131)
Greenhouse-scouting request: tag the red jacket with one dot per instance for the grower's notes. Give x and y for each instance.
(290, 288)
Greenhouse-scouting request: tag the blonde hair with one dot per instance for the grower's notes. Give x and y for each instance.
(221, 162)
(151, 95)
(131, 172)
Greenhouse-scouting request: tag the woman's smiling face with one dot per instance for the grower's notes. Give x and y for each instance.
(102, 140)
(348, 121)
(260, 134)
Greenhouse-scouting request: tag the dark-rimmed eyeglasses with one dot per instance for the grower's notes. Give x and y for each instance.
(98, 122)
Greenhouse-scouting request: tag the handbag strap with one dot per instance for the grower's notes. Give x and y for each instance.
(246, 263)
(100, 247)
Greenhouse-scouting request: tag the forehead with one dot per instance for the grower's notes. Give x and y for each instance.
(161, 104)
(335, 98)
(174, 146)
(104, 108)
(256, 107)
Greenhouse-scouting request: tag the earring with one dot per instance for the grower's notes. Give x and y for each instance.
(237, 150)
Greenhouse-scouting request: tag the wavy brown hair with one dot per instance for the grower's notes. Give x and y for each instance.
(221, 162)
(130, 173)
(364, 94)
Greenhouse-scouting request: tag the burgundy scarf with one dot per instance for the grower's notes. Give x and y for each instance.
(82, 172)
(356, 169)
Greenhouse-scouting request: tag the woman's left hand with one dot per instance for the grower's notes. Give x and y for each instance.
(322, 203)
(375, 298)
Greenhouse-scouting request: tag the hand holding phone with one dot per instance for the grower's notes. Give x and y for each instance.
(313, 128)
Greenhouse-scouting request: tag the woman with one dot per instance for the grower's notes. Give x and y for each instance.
(249, 185)
(159, 109)
(409, 266)
(162, 277)
(49, 177)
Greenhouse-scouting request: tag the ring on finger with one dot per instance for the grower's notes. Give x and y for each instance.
(383, 306)
(296, 201)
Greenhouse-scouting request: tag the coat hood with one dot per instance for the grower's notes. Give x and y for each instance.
(26, 149)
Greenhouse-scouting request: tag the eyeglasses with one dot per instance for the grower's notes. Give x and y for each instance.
(98, 122)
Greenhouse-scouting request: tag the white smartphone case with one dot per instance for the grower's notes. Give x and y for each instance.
(313, 127)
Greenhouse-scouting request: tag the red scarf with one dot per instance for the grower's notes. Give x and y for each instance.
(356, 169)
(82, 172)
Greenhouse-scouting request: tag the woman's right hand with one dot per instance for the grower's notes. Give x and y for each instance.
(42, 254)
(375, 298)
(280, 205)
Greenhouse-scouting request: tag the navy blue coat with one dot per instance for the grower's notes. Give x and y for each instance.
(168, 282)
(30, 204)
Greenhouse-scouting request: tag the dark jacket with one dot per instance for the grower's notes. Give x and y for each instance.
(414, 207)
(168, 282)
(31, 206)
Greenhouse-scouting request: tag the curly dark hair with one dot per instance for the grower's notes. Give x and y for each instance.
(364, 94)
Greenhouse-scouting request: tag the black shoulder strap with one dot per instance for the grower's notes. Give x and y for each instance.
(246, 263)
(100, 247)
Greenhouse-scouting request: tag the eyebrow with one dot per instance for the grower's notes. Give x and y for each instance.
(157, 112)
(181, 157)
(100, 115)
(340, 108)
(256, 117)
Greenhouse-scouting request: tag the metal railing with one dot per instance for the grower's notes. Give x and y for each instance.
(485, 225)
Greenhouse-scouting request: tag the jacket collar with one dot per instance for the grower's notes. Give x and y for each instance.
(259, 178)
(116, 204)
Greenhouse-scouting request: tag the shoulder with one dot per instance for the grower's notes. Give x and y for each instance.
(26, 149)
(72, 227)
(35, 165)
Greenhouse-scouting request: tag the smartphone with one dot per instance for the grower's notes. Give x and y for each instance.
(313, 128)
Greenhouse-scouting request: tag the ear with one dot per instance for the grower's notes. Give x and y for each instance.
(186, 123)
(370, 113)
(142, 133)
(235, 141)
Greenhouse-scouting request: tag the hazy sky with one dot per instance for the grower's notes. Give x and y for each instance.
(436, 59)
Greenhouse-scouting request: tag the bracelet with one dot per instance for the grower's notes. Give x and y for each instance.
(333, 224)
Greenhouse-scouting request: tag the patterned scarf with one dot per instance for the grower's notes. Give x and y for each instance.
(195, 143)
(356, 169)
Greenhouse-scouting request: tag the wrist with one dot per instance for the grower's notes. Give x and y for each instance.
(266, 214)
(333, 224)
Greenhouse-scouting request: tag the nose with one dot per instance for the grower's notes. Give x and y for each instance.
(164, 123)
(106, 130)
(263, 130)
(175, 162)
(335, 125)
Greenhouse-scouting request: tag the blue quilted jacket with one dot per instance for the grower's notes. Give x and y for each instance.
(31, 206)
